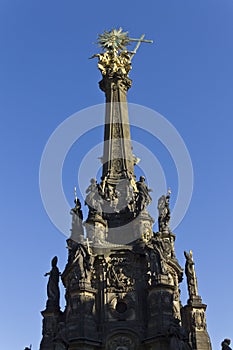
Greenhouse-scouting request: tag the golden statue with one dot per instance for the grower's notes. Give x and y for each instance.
(116, 57)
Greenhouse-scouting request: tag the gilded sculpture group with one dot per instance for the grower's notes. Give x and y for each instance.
(111, 62)
(116, 58)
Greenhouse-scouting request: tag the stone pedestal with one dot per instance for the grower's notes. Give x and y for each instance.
(96, 229)
(194, 320)
(50, 327)
(142, 226)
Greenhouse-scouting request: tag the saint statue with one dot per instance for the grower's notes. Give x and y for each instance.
(77, 209)
(93, 199)
(164, 212)
(190, 274)
(144, 197)
(53, 291)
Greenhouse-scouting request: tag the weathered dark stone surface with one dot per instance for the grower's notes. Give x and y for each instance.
(226, 344)
(122, 279)
(124, 296)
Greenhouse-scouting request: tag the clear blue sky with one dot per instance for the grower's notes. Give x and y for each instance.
(45, 76)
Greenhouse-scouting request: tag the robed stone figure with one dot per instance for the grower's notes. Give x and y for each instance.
(53, 291)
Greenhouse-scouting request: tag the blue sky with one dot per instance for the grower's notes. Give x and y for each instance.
(45, 76)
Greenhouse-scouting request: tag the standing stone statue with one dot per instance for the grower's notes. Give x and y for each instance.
(53, 291)
(225, 344)
(81, 261)
(144, 197)
(157, 256)
(77, 209)
(191, 275)
(164, 212)
(77, 232)
(93, 199)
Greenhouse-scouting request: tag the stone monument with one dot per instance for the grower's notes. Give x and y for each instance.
(121, 295)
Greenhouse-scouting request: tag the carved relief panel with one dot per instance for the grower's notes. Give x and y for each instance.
(198, 319)
(120, 274)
